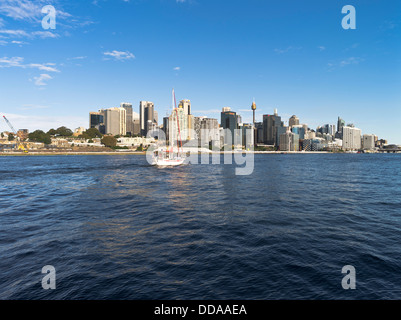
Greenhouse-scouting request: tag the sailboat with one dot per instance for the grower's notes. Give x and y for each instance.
(167, 157)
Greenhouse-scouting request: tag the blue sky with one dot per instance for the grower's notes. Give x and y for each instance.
(290, 55)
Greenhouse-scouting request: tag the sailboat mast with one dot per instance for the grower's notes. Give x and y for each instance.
(178, 122)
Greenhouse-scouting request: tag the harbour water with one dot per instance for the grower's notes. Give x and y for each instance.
(115, 227)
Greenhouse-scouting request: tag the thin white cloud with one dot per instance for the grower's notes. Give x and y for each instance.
(344, 63)
(322, 48)
(20, 9)
(11, 62)
(119, 55)
(44, 34)
(351, 60)
(18, 42)
(15, 33)
(43, 67)
(290, 48)
(18, 62)
(31, 35)
(40, 81)
(27, 10)
(31, 11)
(77, 58)
(177, 69)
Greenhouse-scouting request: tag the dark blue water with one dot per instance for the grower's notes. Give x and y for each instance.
(116, 228)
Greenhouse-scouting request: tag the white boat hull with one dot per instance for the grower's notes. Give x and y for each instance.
(168, 162)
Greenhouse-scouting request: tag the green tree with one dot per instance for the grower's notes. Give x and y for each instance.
(64, 132)
(11, 137)
(52, 132)
(93, 133)
(109, 141)
(40, 136)
(84, 136)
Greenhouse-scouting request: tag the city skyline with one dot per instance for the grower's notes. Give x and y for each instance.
(103, 53)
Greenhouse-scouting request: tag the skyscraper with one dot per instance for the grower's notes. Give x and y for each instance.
(115, 121)
(294, 121)
(180, 126)
(149, 117)
(369, 141)
(229, 121)
(166, 127)
(155, 117)
(270, 125)
(300, 130)
(289, 141)
(279, 132)
(186, 105)
(351, 138)
(248, 135)
(129, 120)
(207, 130)
(96, 120)
(340, 125)
(146, 116)
(259, 132)
(136, 124)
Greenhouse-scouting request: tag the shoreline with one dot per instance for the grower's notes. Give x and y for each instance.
(111, 153)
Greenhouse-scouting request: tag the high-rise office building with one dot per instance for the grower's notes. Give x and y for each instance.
(259, 132)
(331, 129)
(239, 119)
(300, 130)
(129, 119)
(115, 121)
(146, 116)
(289, 141)
(279, 132)
(149, 118)
(180, 126)
(327, 129)
(270, 125)
(340, 125)
(155, 117)
(351, 138)
(166, 127)
(142, 106)
(294, 121)
(207, 131)
(369, 141)
(229, 121)
(248, 134)
(186, 105)
(96, 120)
(136, 126)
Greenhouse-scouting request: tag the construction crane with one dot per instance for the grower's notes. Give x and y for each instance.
(20, 146)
